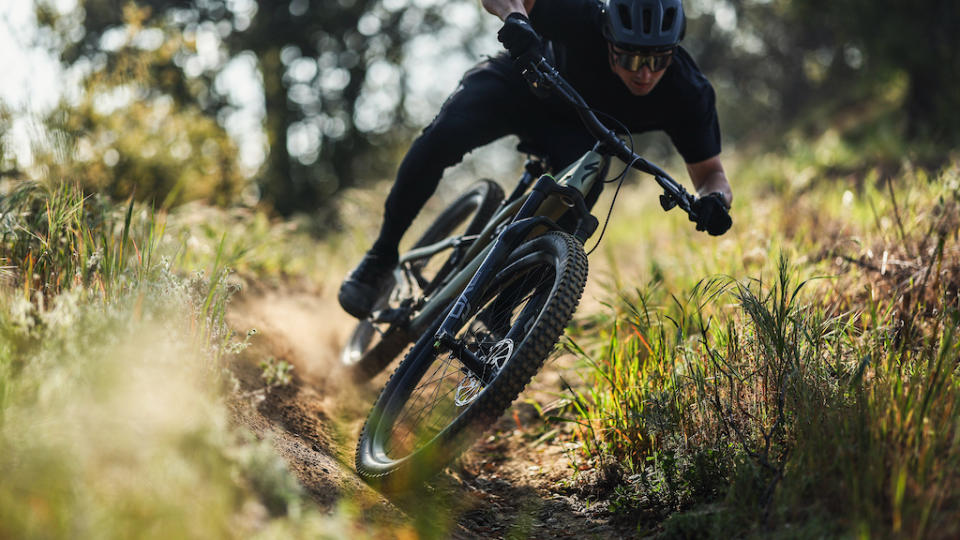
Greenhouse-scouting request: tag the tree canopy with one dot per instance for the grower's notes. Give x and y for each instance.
(336, 94)
(331, 75)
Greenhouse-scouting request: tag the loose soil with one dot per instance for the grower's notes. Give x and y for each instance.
(517, 482)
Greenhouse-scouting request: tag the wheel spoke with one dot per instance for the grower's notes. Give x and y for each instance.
(433, 406)
(419, 414)
(434, 402)
(420, 390)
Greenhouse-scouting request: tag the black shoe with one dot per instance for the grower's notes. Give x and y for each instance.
(360, 291)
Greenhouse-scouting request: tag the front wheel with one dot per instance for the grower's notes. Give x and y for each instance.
(372, 346)
(433, 406)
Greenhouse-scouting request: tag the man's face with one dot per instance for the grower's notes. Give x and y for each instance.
(642, 81)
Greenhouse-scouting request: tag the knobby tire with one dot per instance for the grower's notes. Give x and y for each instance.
(367, 351)
(401, 445)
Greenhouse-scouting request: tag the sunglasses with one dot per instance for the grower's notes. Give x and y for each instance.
(635, 61)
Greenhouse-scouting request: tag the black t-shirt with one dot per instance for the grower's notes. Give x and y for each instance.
(682, 104)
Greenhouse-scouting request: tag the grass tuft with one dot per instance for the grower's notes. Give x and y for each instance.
(777, 402)
(112, 378)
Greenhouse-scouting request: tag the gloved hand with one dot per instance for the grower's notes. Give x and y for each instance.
(519, 37)
(712, 215)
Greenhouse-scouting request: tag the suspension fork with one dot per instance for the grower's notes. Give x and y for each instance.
(508, 240)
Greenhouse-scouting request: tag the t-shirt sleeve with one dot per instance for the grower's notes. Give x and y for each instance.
(565, 19)
(696, 133)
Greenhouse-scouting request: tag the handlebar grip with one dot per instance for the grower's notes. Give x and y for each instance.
(711, 215)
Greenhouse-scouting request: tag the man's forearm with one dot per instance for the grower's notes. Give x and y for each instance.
(502, 8)
(708, 177)
(715, 182)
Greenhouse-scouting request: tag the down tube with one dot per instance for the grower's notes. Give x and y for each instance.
(440, 301)
(476, 254)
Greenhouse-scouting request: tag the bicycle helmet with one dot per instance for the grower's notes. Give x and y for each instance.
(644, 24)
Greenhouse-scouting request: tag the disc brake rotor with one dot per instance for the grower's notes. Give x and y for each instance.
(470, 386)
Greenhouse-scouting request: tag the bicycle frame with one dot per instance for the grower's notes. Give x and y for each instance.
(526, 215)
(531, 215)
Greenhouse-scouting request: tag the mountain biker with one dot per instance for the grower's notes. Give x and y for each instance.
(623, 57)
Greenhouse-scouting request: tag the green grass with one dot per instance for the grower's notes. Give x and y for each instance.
(806, 386)
(809, 394)
(113, 422)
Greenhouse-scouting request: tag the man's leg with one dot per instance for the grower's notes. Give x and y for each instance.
(482, 109)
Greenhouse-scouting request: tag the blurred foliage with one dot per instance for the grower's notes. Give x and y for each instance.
(336, 92)
(916, 39)
(122, 133)
(147, 149)
(8, 161)
(781, 63)
(317, 64)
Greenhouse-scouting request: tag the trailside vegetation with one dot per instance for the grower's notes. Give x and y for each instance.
(114, 382)
(808, 386)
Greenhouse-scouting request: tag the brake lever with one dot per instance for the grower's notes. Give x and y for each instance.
(667, 202)
(671, 197)
(531, 73)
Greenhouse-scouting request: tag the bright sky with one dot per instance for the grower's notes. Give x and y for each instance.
(33, 82)
(31, 78)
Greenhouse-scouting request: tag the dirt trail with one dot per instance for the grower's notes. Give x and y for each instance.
(514, 483)
(301, 328)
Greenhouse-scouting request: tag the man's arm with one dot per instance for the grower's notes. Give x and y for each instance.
(708, 177)
(502, 8)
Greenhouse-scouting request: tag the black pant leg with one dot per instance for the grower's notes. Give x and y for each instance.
(482, 109)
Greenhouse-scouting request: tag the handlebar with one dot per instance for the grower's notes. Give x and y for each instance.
(543, 78)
